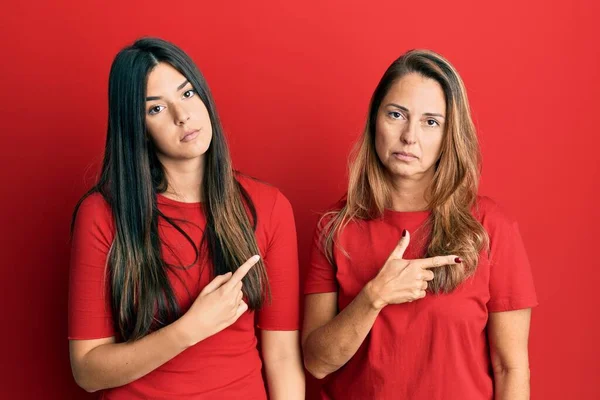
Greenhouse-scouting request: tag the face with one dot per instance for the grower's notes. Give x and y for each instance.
(177, 120)
(410, 127)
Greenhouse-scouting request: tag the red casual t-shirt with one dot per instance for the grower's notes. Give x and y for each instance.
(435, 347)
(223, 366)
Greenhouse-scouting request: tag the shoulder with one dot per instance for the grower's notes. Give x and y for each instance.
(492, 215)
(326, 216)
(96, 205)
(257, 188)
(486, 207)
(265, 197)
(95, 211)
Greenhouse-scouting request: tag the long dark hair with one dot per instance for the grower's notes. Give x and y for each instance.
(142, 298)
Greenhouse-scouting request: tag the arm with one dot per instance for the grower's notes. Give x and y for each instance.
(101, 363)
(512, 295)
(281, 355)
(330, 340)
(508, 334)
(278, 319)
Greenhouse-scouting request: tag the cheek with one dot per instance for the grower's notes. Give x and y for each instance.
(379, 144)
(200, 110)
(381, 147)
(432, 146)
(383, 138)
(157, 131)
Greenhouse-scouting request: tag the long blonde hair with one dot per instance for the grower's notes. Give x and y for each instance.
(453, 191)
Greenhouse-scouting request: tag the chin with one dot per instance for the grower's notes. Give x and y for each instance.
(194, 155)
(191, 154)
(400, 175)
(413, 174)
(401, 171)
(199, 149)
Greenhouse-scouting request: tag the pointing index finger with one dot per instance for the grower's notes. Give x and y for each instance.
(398, 251)
(241, 272)
(438, 261)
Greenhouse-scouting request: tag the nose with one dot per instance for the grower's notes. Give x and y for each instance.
(409, 132)
(181, 116)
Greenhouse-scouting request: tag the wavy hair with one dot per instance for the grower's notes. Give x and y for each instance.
(453, 191)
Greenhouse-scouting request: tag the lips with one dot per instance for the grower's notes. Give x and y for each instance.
(405, 155)
(190, 135)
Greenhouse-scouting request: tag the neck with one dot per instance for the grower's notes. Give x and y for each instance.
(409, 194)
(184, 179)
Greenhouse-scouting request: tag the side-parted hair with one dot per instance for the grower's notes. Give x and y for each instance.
(453, 191)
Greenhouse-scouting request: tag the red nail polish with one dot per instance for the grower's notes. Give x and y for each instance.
(404, 232)
(457, 260)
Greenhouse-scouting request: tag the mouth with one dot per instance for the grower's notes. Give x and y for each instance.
(405, 156)
(190, 135)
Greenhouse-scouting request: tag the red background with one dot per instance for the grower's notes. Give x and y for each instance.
(292, 83)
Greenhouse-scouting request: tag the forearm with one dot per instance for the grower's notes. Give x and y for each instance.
(285, 377)
(329, 347)
(117, 364)
(511, 383)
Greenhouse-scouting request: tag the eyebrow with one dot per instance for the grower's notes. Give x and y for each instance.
(150, 98)
(408, 111)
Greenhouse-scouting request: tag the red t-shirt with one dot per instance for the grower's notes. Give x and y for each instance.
(435, 347)
(224, 366)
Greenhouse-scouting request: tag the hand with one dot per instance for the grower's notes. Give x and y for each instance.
(399, 280)
(218, 305)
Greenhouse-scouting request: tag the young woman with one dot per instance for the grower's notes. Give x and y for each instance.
(417, 287)
(174, 255)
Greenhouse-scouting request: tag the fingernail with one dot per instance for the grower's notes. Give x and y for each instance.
(457, 260)
(255, 257)
(404, 232)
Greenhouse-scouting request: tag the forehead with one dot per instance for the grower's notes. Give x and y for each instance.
(417, 93)
(164, 78)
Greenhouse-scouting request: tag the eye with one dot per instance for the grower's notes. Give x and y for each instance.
(155, 110)
(432, 122)
(189, 93)
(395, 114)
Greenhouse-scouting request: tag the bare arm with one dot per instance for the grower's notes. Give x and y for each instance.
(101, 363)
(330, 340)
(283, 364)
(508, 334)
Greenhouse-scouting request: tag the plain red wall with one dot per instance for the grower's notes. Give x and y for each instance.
(292, 82)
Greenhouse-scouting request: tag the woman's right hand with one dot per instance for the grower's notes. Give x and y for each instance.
(217, 306)
(399, 280)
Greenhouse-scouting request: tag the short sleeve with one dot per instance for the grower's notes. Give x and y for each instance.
(511, 281)
(90, 314)
(320, 277)
(282, 312)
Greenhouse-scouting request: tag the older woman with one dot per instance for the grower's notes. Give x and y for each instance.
(418, 288)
